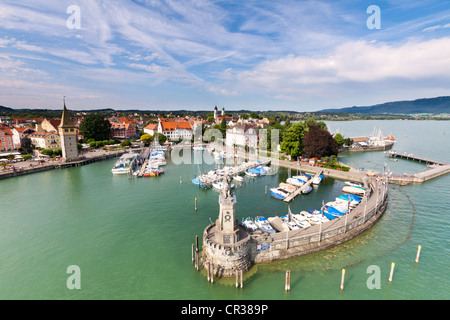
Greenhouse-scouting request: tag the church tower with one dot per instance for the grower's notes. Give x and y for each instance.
(223, 111)
(215, 113)
(68, 136)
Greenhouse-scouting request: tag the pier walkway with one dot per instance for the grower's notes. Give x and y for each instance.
(435, 170)
(291, 197)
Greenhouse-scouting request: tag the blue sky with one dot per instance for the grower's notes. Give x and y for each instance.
(195, 54)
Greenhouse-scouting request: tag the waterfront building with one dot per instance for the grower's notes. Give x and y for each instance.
(19, 133)
(45, 140)
(242, 135)
(6, 139)
(175, 129)
(69, 137)
(122, 130)
(151, 129)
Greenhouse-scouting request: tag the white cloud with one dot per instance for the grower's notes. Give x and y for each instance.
(352, 62)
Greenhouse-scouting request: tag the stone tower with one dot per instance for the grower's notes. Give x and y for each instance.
(215, 113)
(223, 111)
(68, 136)
(227, 229)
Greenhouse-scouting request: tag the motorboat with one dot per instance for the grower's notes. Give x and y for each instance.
(278, 224)
(199, 182)
(249, 224)
(279, 193)
(264, 225)
(301, 220)
(334, 211)
(126, 163)
(302, 178)
(218, 185)
(238, 178)
(287, 187)
(295, 182)
(291, 224)
(251, 174)
(318, 179)
(353, 184)
(306, 189)
(354, 190)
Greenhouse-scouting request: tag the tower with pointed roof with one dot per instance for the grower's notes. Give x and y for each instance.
(215, 113)
(68, 136)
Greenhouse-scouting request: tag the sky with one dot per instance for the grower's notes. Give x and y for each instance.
(299, 55)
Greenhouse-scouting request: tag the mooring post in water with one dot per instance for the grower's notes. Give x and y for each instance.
(192, 253)
(418, 253)
(287, 285)
(195, 204)
(196, 242)
(207, 268)
(392, 272)
(342, 279)
(242, 279)
(237, 278)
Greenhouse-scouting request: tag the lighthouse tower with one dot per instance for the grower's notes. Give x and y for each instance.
(68, 136)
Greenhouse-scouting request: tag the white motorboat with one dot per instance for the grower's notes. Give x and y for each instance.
(353, 184)
(301, 220)
(295, 182)
(354, 190)
(318, 179)
(264, 225)
(291, 224)
(218, 185)
(249, 224)
(279, 193)
(238, 178)
(251, 174)
(126, 163)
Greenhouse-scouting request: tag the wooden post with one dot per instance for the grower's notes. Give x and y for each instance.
(208, 267)
(242, 279)
(192, 252)
(342, 279)
(196, 243)
(418, 253)
(392, 272)
(212, 274)
(287, 285)
(196, 260)
(195, 204)
(237, 278)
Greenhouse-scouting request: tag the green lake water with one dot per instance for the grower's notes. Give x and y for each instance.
(131, 238)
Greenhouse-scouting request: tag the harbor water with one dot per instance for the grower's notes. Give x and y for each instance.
(131, 238)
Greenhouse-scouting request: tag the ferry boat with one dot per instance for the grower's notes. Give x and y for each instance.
(264, 225)
(125, 164)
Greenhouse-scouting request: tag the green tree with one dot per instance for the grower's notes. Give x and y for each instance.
(293, 139)
(339, 139)
(94, 126)
(47, 152)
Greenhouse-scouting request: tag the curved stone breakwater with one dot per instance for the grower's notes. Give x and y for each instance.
(259, 247)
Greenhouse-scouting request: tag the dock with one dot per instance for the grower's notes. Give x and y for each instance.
(208, 180)
(292, 196)
(436, 169)
(407, 156)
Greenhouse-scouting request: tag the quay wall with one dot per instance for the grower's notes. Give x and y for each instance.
(294, 244)
(41, 168)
